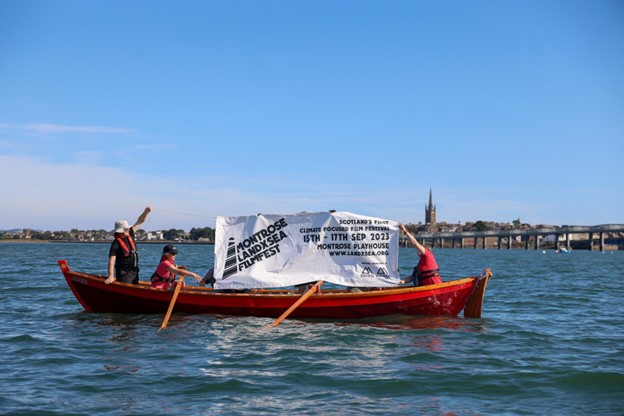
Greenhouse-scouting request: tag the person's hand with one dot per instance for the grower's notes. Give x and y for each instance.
(197, 277)
(401, 282)
(109, 280)
(148, 209)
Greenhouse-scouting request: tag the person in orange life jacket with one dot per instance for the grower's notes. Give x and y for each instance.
(427, 271)
(166, 270)
(123, 258)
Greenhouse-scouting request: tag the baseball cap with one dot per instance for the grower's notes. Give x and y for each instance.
(170, 248)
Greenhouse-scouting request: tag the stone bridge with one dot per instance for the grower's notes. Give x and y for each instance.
(505, 237)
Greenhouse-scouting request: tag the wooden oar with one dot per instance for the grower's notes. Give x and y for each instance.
(295, 305)
(173, 299)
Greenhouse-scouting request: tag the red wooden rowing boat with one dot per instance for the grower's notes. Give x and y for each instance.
(448, 298)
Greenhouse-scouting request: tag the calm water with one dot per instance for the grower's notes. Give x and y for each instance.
(551, 342)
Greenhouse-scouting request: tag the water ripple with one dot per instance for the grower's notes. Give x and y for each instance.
(549, 343)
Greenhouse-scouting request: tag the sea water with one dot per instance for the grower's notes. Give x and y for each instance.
(551, 341)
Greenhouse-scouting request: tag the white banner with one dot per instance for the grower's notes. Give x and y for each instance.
(268, 251)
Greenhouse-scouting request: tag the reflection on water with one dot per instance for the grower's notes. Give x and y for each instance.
(405, 322)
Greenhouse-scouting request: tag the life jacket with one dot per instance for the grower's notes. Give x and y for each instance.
(424, 275)
(124, 247)
(165, 279)
(427, 268)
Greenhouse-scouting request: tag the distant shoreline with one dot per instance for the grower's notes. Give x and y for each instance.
(608, 247)
(24, 241)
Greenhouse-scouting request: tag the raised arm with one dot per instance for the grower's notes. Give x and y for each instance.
(419, 247)
(139, 222)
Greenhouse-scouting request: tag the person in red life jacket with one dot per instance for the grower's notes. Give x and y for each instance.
(166, 271)
(427, 271)
(123, 258)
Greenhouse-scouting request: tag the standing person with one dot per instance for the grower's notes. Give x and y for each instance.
(166, 270)
(123, 258)
(427, 271)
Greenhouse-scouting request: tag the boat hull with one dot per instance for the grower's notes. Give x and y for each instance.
(448, 298)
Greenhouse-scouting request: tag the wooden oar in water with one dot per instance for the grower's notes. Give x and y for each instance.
(173, 299)
(295, 305)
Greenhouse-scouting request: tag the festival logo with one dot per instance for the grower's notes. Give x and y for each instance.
(254, 249)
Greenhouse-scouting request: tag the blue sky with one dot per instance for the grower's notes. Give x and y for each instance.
(505, 109)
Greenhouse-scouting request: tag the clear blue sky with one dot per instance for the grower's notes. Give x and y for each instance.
(505, 109)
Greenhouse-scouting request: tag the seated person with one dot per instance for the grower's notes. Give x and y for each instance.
(165, 273)
(426, 271)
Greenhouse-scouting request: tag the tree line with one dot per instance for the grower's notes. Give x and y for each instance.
(196, 234)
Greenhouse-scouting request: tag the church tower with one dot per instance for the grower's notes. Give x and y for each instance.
(430, 211)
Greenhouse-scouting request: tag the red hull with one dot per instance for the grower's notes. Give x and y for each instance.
(448, 298)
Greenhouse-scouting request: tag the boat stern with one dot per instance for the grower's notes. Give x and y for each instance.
(474, 305)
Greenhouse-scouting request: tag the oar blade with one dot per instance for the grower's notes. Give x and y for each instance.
(173, 299)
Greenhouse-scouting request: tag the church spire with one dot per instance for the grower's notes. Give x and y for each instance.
(430, 210)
